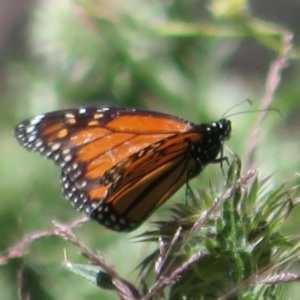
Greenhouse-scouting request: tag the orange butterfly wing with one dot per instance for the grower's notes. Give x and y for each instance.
(118, 164)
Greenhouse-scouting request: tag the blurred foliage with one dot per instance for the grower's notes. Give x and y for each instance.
(171, 56)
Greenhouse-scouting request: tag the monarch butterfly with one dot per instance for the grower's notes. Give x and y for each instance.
(120, 164)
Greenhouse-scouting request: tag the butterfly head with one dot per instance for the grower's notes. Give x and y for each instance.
(215, 133)
(222, 129)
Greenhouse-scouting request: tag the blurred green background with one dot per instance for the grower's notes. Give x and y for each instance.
(194, 59)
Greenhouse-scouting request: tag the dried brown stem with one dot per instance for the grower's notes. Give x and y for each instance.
(272, 82)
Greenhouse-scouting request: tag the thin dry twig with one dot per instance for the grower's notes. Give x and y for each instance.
(20, 248)
(272, 82)
(123, 289)
(22, 295)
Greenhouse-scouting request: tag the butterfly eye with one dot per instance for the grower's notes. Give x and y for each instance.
(118, 164)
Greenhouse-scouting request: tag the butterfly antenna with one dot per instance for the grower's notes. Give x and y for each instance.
(254, 111)
(235, 106)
